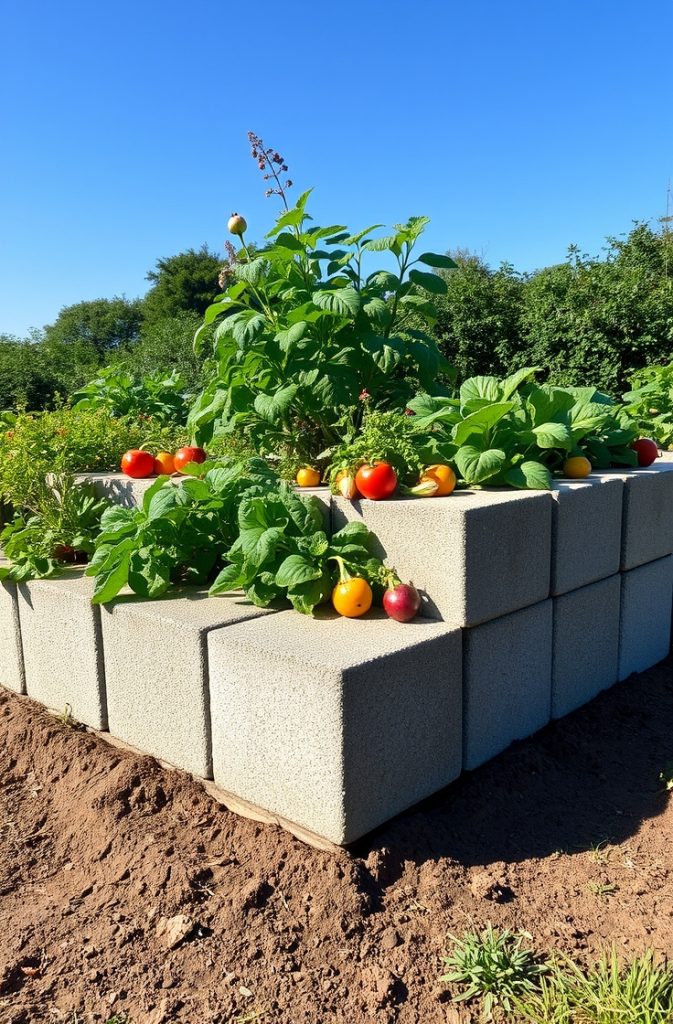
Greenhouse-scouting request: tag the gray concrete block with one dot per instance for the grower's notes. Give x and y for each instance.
(62, 649)
(11, 653)
(645, 622)
(118, 488)
(335, 724)
(586, 644)
(647, 518)
(586, 531)
(156, 672)
(476, 555)
(506, 681)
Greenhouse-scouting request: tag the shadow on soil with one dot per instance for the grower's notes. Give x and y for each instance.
(591, 777)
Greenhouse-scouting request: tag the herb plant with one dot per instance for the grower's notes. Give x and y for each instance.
(303, 329)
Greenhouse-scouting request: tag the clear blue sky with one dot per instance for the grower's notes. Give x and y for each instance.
(518, 128)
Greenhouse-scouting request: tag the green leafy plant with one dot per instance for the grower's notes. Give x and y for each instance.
(61, 533)
(70, 441)
(117, 390)
(640, 992)
(650, 403)
(303, 329)
(516, 433)
(179, 534)
(283, 552)
(393, 437)
(494, 966)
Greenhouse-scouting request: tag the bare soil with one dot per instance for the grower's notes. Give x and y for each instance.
(126, 889)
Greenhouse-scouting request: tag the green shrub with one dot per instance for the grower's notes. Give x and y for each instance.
(122, 393)
(70, 441)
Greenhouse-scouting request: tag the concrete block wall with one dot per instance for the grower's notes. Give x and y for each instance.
(336, 725)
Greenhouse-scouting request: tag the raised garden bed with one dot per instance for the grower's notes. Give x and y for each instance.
(335, 725)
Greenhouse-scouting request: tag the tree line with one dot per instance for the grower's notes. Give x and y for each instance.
(588, 320)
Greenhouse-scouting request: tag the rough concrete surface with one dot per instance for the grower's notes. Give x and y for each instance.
(586, 644)
(62, 649)
(11, 653)
(647, 522)
(586, 531)
(156, 672)
(476, 555)
(335, 724)
(645, 621)
(506, 681)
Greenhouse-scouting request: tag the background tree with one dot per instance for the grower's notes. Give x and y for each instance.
(186, 282)
(102, 325)
(167, 344)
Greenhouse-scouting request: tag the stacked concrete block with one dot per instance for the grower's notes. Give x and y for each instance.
(62, 647)
(647, 521)
(335, 724)
(157, 673)
(645, 627)
(118, 488)
(11, 653)
(507, 680)
(585, 644)
(586, 531)
(476, 555)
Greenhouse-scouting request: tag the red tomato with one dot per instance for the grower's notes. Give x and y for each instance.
(137, 463)
(377, 481)
(647, 450)
(183, 456)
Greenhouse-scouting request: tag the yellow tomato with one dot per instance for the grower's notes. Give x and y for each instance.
(352, 598)
(307, 477)
(443, 476)
(576, 467)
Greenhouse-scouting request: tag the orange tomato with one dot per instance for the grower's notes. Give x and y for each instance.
(576, 467)
(308, 477)
(352, 598)
(164, 463)
(444, 477)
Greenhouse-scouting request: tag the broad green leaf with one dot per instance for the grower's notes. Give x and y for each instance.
(477, 466)
(231, 578)
(389, 242)
(553, 435)
(548, 404)
(342, 301)
(431, 282)
(435, 259)
(148, 576)
(515, 380)
(306, 596)
(161, 502)
(248, 325)
(288, 241)
(531, 475)
(292, 335)
(296, 569)
(480, 421)
(273, 407)
(252, 272)
(147, 496)
(354, 239)
(110, 581)
(481, 390)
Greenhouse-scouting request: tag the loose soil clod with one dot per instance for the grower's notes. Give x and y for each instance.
(127, 889)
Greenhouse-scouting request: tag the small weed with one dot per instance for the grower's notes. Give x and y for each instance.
(65, 718)
(493, 965)
(666, 776)
(641, 993)
(602, 889)
(119, 1018)
(600, 852)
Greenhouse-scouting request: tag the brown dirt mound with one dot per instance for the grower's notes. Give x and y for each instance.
(125, 888)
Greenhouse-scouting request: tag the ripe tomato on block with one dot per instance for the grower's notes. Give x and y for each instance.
(352, 597)
(576, 467)
(308, 477)
(647, 451)
(164, 463)
(184, 456)
(377, 481)
(137, 463)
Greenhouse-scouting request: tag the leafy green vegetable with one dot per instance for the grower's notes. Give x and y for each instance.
(650, 402)
(62, 533)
